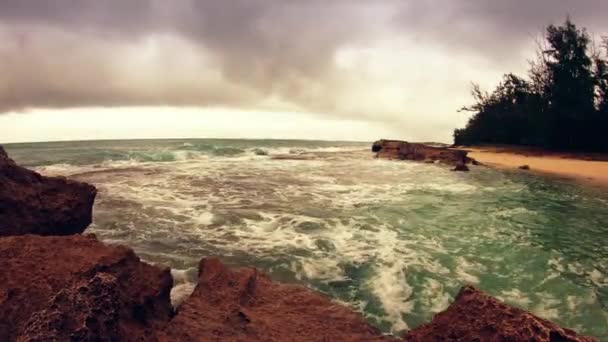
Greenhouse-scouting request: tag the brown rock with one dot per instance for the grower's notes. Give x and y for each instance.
(245, 305)
(460, 167)
(76, 288)
(90, 307)
(402, 150)
(524, 167)
(34, 204)
(475, 316)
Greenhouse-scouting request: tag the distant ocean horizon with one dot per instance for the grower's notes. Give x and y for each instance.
(394, 240)
(177, 139)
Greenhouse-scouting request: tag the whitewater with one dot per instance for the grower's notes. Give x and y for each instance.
(394, 240)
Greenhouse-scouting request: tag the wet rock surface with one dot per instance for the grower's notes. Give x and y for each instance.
(34, 204)
(76, 288)
(475, 316)
(245, 305)
(402, 150)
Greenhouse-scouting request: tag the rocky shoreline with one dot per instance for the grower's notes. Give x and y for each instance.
(57, 284)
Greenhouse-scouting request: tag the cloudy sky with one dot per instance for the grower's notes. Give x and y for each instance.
(312, 69)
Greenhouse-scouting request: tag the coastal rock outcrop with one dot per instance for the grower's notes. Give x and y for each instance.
(75, 288)
(245, 305)
(402, 150)
(476, 316)
(34, 204)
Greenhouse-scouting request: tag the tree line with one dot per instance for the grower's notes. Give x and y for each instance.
(562, 104)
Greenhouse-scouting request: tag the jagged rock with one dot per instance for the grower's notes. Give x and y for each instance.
(245, 305)
(34, 204)
(402, 150)
(90, 307)
(475, 316)
(60, 288)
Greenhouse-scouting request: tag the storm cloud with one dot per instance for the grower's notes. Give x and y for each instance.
(375, 60)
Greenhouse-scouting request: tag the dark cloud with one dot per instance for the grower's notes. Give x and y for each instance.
(245, 53)
(127, 17)
(274, 48)
(496, 29)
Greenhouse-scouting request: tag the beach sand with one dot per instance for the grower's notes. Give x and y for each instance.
(586, 167)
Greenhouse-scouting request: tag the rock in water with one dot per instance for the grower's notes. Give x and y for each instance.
(461, 167)
(74, 288)
(475, 316)
(402, 150)
(245, 305)
(34, 204)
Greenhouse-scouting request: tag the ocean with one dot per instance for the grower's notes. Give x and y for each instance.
(394, 240)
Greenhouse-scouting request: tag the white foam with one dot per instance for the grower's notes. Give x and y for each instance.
(573, 302)
(434, 296)
(205, 218)
(464, 269)
(450, 187)
(321, 269)
(516, 297)
(181, 292)
(64, 169)
(598, 278)
(547, 306)
(394, 293)
(184, 276)
(507, 213)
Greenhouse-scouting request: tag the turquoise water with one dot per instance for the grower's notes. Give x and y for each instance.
(394, 240)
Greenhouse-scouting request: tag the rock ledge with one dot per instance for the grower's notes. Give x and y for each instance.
(402, 150)
(475, 316)
(245, 305)
(76, 288)
(34, 204)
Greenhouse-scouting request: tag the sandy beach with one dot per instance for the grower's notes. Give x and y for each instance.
(586, 167)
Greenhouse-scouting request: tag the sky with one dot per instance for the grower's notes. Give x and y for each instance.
(309, 69)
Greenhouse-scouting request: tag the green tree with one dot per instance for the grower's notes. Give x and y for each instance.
(572, 87)
(564, 104)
